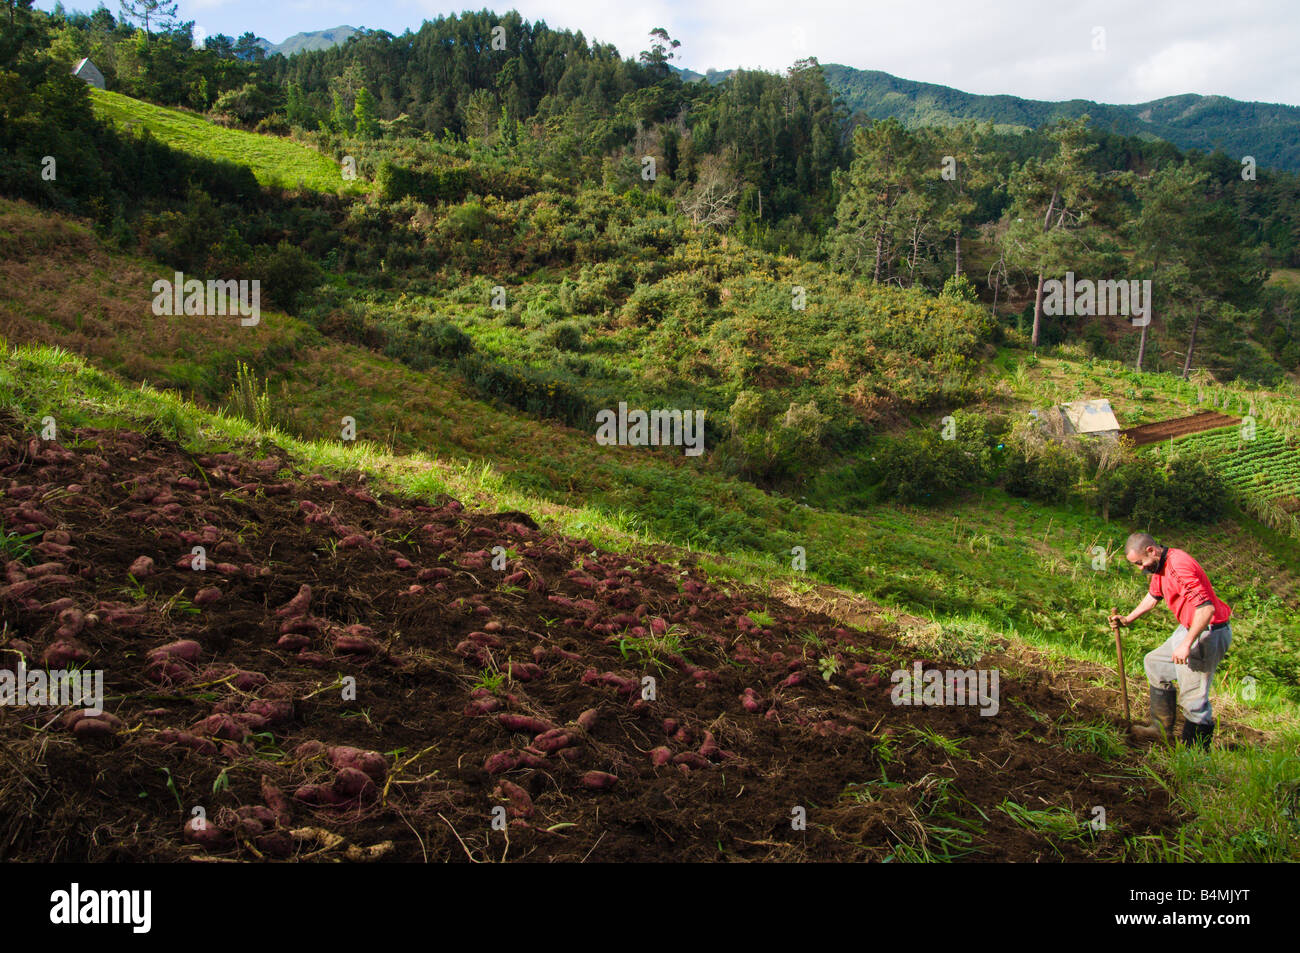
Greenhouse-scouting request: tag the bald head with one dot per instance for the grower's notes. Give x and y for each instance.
(1143, 551)
(1139, 542)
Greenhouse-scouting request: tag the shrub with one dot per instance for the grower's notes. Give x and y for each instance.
(565, 336)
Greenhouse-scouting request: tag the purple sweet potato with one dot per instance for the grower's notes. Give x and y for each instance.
(275, 711)
(142, 567)
(62, 654)
(355, 645)
(293, 642)
(599, 780)
(587, 720)
(207, 596)
(297, 606)
(96, 726)
(692, 759)
(206, 834)
(660, 756)
(318, 795)
(553, 740)
(222, 726)
(352, 784)
(277, 801)
(521, 803)
(370, 763)
(525, 671)
(301, 625)
(482, 706)
(501, 762)
(186, 740)
(184, 650)
(524, 723)
(248, 681)
(709, 748)
(277, 844)
(309, 749)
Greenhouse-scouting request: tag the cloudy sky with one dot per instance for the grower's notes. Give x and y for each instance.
(1116, 51)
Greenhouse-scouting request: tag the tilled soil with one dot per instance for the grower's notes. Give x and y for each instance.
(342, 677)
(1178, 427)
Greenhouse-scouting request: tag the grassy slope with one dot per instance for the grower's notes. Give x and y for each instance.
(978, 558)
(277, 162)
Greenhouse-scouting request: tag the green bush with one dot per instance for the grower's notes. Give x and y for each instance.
(565, 336)
(419, 343)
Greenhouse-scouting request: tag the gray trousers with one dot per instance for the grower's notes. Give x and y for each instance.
(1194, 678)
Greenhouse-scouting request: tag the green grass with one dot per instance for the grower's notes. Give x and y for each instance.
(277, 162)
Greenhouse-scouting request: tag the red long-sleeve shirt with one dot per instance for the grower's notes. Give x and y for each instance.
(1182, 583)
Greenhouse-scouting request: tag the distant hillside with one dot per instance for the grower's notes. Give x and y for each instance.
(307, 42)
(1269, 132)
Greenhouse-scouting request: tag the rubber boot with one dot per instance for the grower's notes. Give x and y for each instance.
(1164, 705)
(1194, 734)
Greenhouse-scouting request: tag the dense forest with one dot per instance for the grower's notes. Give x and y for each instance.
(477, 104)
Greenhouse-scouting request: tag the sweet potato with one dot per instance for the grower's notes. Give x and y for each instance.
(274, 711)
(599, 780)
(63, 654)
(660, 756)
(482, 706)
(355, 645)
(184, 650)
(692, 759)
(524, 723)
(206, 834)
(318, 795)
(309, 749)
(207, 596)
(96, 726)
(186, 740)
(525, 671)
(248, 681)
(353, 784)
(222, 726)
(587, 720)
(142, 567)
(501, 762)
(521, 803)
(298, 605)
(293, 642)
(277, 844)
(277, 801)
(302, 625)
(709, 748)
(370, 763)
(553, 740)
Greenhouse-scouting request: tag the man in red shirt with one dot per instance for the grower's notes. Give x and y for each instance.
(1192, 653)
